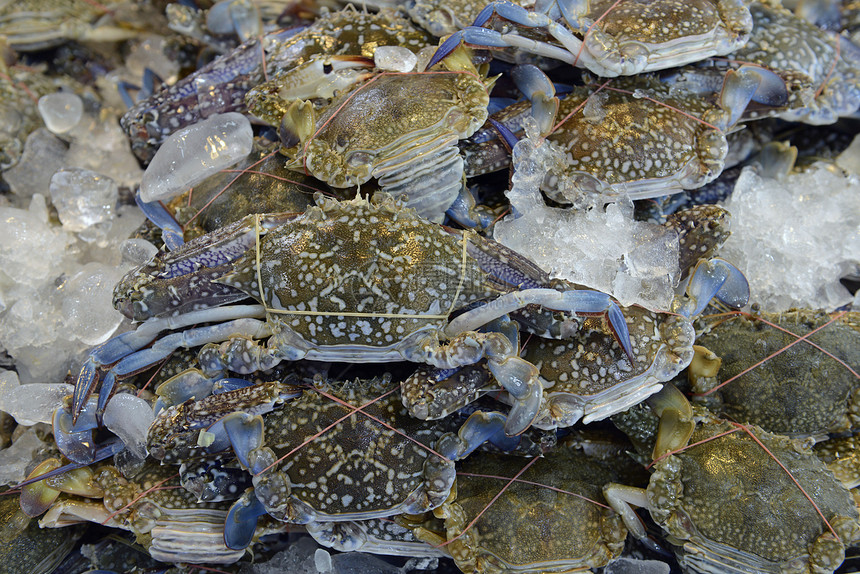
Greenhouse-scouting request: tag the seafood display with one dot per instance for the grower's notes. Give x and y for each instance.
(371, 334)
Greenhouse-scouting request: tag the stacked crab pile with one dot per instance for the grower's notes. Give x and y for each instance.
(347, 320)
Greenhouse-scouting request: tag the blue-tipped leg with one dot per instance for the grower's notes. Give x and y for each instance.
(508, 137)
(242, 520)
(171, 231)
(748, 84)
(540, 91)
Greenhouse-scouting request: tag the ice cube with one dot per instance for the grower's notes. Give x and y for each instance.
(83, 198)
(32, 403)
(44, 153)
(15, 459)
(194, 153)
(796, 236)
(87, 309)
(61, 111)
(129, 417)
(395, 59)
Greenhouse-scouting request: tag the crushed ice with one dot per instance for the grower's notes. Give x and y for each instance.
(796, 236)
(604, 249)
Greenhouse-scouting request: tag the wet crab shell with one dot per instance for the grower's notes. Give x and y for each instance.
(550, 512)
(802, 391)
(400, 129)
(734, 509)
(588, 376)
(381, 261)
(663, 150)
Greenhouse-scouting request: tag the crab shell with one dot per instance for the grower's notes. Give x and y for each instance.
(401, 129)
(660, 151)
(168, 520)
(588, 375)
(380, 260)
(530, 527)
(732, 508)
(825, 68)
(227, 79)
(799, 392)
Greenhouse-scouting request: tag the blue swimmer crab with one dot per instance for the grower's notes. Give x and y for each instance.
(168, 520)
(585, 374)
(806, 389)
(551, 519)
(401, 129)
(627, 39)
(826, 65)
(322, 456)
(676, 139)
(356, 281)
(222, 85)
(731, 507)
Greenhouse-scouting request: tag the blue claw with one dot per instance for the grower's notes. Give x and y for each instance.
(87, 379)
(595, 303)
(448, 46)
(718, 278)
(481, 427)
(618, 326)
(540, 91)
(485, 14)
(242, 520)
(77, 446)
(508, 137)
(246, 435)
(750, 83)
(171, 231)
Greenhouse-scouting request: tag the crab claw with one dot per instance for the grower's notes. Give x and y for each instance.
(711, 278)
(540, 92)
(171, 231)
(246, 435)
(469, 35)
(479, 428)
(242, 520)
(748, 84)
(74, 438)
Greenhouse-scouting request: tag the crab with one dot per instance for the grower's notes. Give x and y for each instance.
(398, 128)
(677, 142)
(382, 463)
(627, 39)
(221, 86)
(438, 17)
(168, 520)
(585, 374)
(808, 389)
(39, 24)
(551, 519)
(732, 506)
(359, 281)
(824, 67)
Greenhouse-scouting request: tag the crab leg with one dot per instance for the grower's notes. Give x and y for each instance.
(477, 35)
(171, 231)
(580, 301)
(125, 349)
